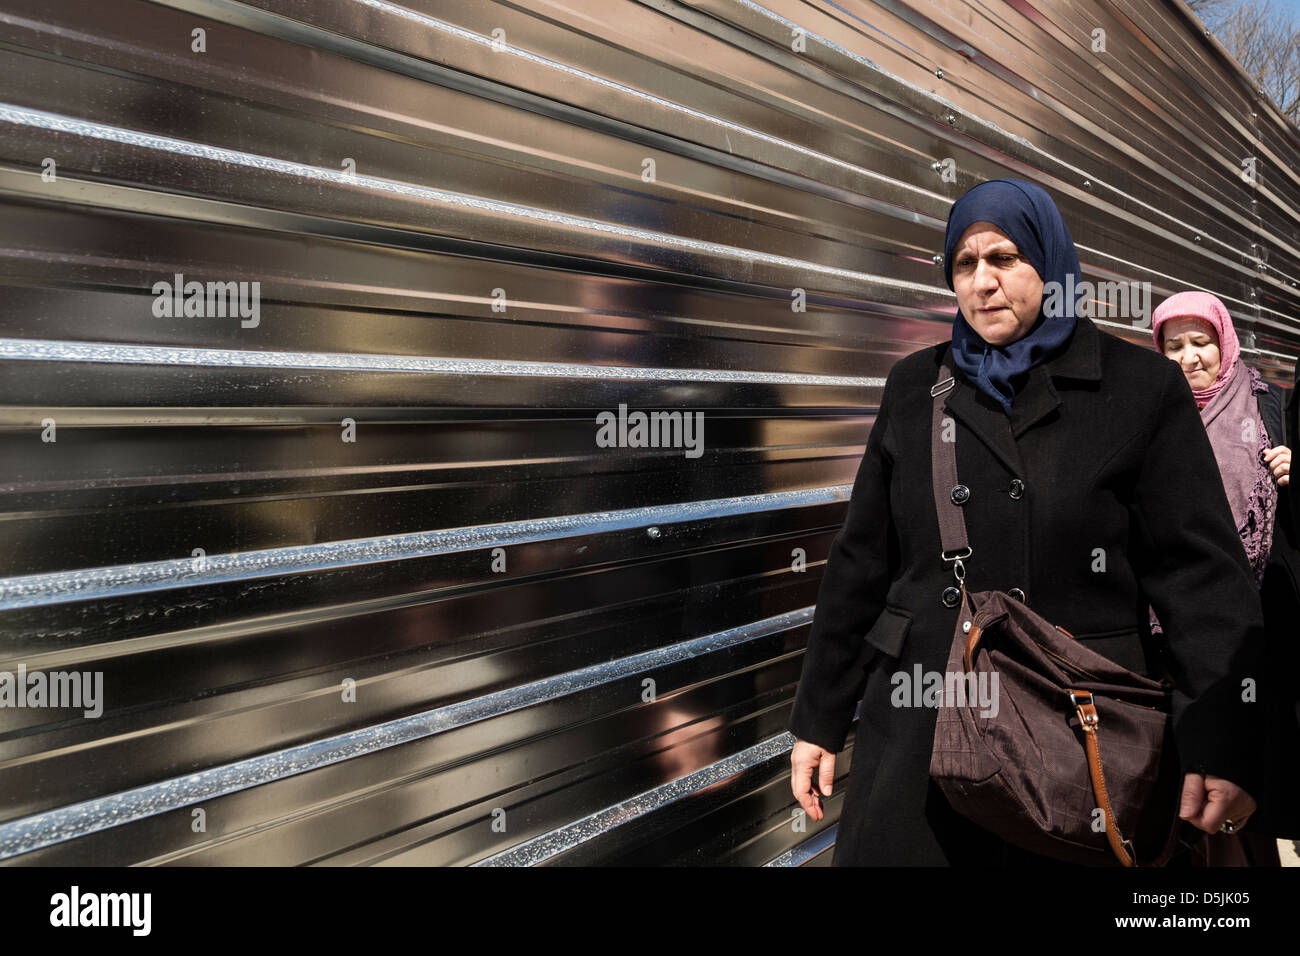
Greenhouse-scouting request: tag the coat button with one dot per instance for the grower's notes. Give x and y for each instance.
(1018, 594)
(951, 597)
(960, 495)
(1017, 488)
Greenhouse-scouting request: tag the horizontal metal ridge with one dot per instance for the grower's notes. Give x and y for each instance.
(819, 842)
(44, 350)
(541, 848)
(25, 116)
(57, 587)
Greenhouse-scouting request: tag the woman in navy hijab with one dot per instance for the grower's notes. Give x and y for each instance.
(1089, 491)
(1028, 219)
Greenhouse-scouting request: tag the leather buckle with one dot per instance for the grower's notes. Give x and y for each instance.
(1087, 710)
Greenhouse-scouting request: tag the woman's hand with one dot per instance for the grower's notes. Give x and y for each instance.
(806, 759)
(1209, 801)
(1278, 461)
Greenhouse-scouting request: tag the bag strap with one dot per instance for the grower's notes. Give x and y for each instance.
(943, 463)
(1089, 719)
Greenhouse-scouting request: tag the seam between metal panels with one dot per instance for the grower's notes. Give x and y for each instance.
(49, 350)
(23, 116)
(57, 587)
(90, 816)
(541, 848)
(819, 842)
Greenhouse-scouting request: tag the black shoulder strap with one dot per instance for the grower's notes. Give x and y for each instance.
(943, 465)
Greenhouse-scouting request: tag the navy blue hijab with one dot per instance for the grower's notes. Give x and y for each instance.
(1031, 220)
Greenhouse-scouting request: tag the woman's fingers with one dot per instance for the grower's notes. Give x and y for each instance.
(826, 774)
(805, 759)
(1213, 801)
(1278, 461)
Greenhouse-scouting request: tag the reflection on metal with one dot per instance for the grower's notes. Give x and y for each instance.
(67, 823)
(475, 227)
(542, 848)
(809, 849)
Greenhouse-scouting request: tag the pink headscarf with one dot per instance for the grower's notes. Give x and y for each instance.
(1202, 305)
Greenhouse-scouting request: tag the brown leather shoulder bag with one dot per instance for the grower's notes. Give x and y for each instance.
(1075, 759)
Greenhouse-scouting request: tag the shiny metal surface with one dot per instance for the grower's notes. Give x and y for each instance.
(428, 645)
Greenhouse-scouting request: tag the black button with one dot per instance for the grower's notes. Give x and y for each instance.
(960, 495)
(1018, 594)
(951, 597)
(1017, 488)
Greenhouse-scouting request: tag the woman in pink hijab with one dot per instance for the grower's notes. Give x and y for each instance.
(1195, 330)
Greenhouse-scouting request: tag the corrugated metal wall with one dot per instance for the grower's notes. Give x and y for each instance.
(475, 227)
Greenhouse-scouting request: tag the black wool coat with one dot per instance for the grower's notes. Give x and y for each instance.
(1121, 506)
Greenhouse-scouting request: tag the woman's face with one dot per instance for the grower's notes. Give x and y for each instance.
(1194, 345)
(997, 289)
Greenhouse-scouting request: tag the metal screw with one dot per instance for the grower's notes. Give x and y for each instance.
(936, 166)
(1087, 184)
(952, 119)
(939, 74)
(938, 260)
(1196, 238)
(652, 531)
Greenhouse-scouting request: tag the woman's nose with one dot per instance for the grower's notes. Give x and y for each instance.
(984, 276)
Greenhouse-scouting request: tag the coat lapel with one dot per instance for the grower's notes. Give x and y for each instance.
(1038, 400)
(986, 419)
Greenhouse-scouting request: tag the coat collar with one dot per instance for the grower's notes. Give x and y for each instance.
(1080, 360)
